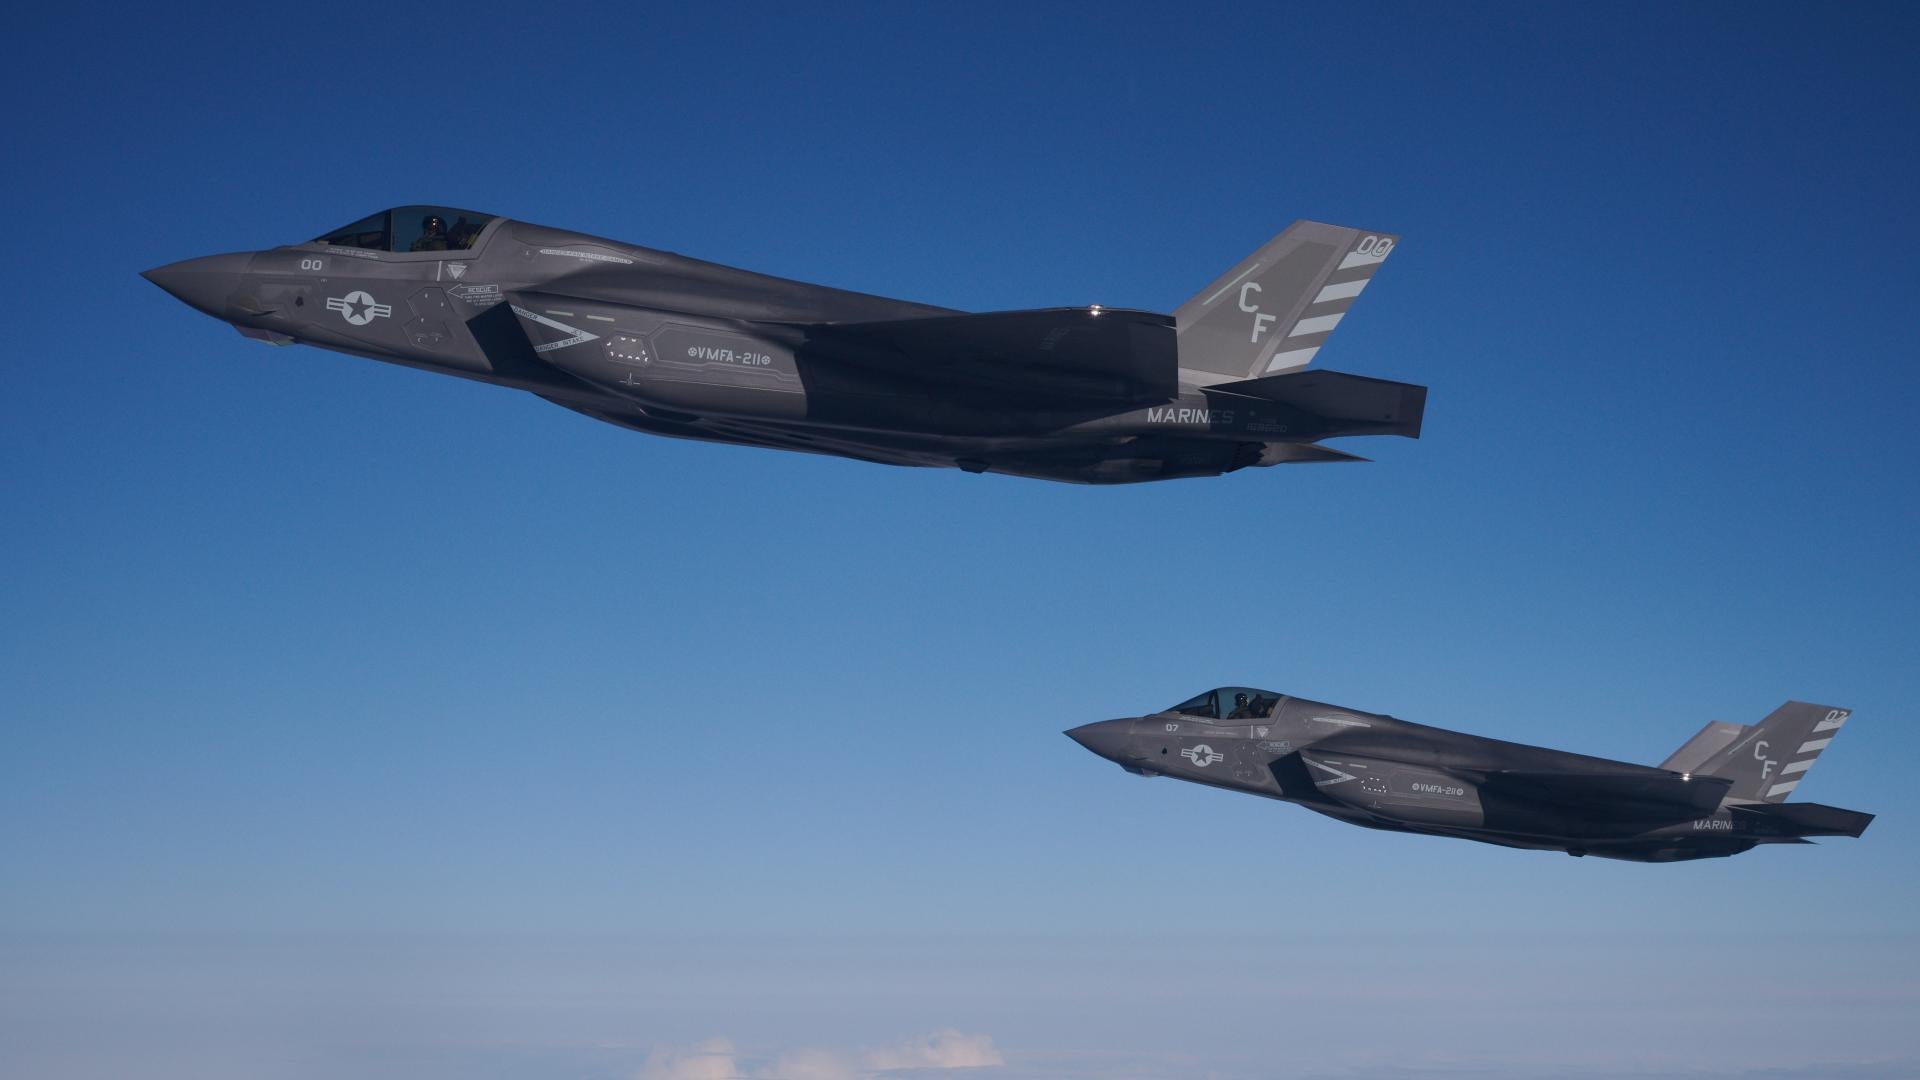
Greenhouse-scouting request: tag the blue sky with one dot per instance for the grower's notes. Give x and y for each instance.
(364, 721)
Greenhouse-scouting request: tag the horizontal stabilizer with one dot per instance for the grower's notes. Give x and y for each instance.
(1358, 404)
(1810, 819)
(1064, 356)
(1649, 794)
(1296, 453)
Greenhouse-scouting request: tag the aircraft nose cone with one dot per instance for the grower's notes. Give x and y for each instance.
(204, 283)
(1108, 738)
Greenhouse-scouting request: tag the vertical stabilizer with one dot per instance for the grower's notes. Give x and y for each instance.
(1711, 740)
(1767, 761)
(1271, 313)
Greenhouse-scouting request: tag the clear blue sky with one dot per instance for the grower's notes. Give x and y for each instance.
(363, 722)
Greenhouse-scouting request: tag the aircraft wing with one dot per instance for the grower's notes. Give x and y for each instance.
(1063, 357)
(1654, 793)
(1430, 795)
(720, 430)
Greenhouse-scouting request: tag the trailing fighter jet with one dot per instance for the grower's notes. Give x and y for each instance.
(669, 345)
(1719, 794)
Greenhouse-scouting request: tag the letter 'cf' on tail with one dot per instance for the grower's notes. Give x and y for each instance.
(1272, 311)
(1764, 761)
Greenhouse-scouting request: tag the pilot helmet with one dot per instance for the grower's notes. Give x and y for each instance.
(432, 223)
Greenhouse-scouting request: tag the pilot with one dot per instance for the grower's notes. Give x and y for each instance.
(433, 234)
(461, 236)
(1240, 709)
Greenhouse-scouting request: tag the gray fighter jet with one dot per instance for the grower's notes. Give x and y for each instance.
(1719, 794)
(673, 346)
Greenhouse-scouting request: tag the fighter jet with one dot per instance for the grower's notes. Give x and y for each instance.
(1719, 794)
(668, 345)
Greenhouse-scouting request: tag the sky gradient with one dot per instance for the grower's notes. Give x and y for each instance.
(363, 722)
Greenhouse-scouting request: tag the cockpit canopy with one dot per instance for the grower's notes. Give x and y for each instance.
(411, 228)
(1230, 703)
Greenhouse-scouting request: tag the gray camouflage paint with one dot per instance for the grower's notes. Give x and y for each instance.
(1373, 770)
(668, 345)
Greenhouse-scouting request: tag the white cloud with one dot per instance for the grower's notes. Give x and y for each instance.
(710, 1060)
(944, 1049)
(716, 1059)
(811, 1064)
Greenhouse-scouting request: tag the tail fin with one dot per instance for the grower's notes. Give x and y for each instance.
(1767, 760)
(1272, 311)
(1695, 751)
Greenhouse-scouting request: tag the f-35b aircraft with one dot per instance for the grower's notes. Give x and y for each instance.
(673, 346)
(1719, 794)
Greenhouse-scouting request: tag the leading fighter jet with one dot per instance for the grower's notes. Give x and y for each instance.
(1719, 794)
(669, 345)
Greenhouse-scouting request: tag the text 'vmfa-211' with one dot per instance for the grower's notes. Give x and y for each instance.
(674, 346)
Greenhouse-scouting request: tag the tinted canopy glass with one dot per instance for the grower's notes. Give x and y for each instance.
(412, 228)
(1230, 703)
(368, 232)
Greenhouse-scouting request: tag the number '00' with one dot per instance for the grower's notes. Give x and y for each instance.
(1374, 245)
